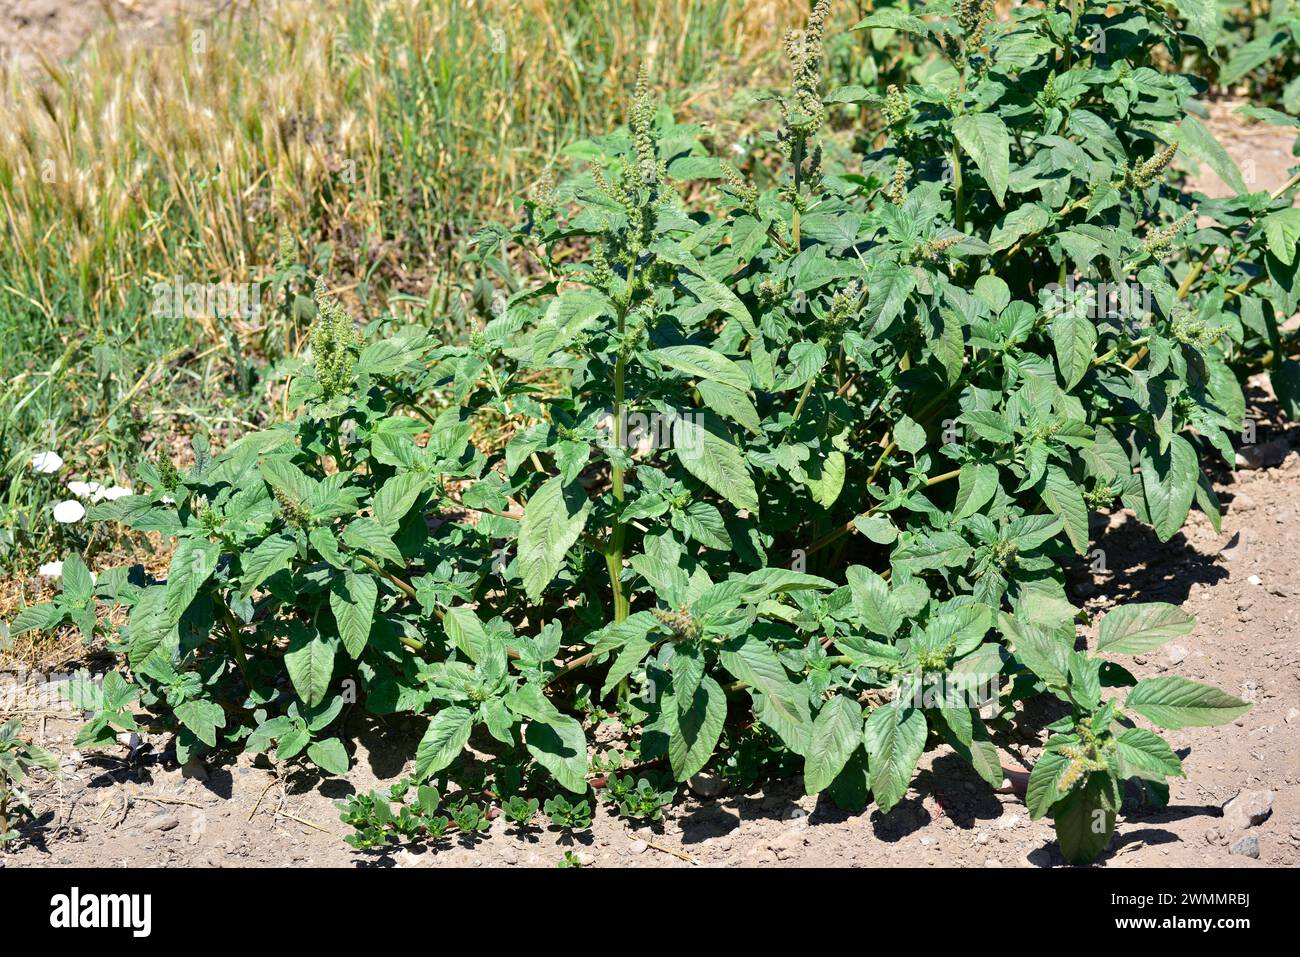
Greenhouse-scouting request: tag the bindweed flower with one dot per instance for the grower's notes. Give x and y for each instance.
(69, 512)
(47, 463)
(90, 490)
(114, 493)
(51, 569)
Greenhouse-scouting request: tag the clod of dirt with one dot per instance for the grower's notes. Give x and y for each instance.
(1248, 846)
(1248, 809)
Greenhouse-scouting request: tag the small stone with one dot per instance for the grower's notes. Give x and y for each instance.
(164, 821)
(1009, 821)
(639, 847)
(1292, 714)
(1255, 580)
(1262, 455)
(1176, 654)
(1248, 846)
(992, 863)
(707, 785)
(1248, 809)
(982, 837)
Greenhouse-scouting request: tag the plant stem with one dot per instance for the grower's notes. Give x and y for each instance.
(236, 639)
(614, 556)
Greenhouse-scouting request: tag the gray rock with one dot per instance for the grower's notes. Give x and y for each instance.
(1248, 846)
(1248, 809)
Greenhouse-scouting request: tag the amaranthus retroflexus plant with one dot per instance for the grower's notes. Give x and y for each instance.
(811, 459)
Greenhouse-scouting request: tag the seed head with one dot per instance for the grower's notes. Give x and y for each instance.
(333, 344)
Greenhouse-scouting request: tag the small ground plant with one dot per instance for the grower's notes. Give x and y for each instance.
(18, 758)
(791, 477)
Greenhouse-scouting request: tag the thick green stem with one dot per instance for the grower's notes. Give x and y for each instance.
(614, 555)
(236, 639)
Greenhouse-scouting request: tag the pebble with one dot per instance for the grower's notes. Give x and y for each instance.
(1255, 580)
(165, 821)
(1176, 654)
(707, 785)
(1262, 455)
(1248, 809)
(1248, 846)
(638, 847)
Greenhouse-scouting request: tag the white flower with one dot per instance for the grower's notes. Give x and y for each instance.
(69, 511)
(114, 493)
(47, 463)
(52, 569)
(86, 489)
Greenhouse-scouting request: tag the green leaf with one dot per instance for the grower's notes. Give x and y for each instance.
(1074, 338)
(1199, 143)
(1173, 702)
(909, 436)
(466, 631)
(561, 747)
(352, 599)
(1065, 498)
(1085, 820)
(330, 756)
(1281, 230)
(192, 564)
(706, 450)
(693, 732)
(976, 483)
(895, 740)
(446, 737)
(1169, 484)
(1041, 792)
(784, 704)
(1145, 754)
(1285, 380)
(826, 487)
(1202, 21)
(395, 499)
(985, 139)
(873, 601)
(148, 627)
(836, 732)
(78, 585)
(368, 535)
(203, 718)
(1135, 628)
(34, 617)
(703, 363)
(891, 18)
(270, 556)
(310, 663)
(553, 519)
